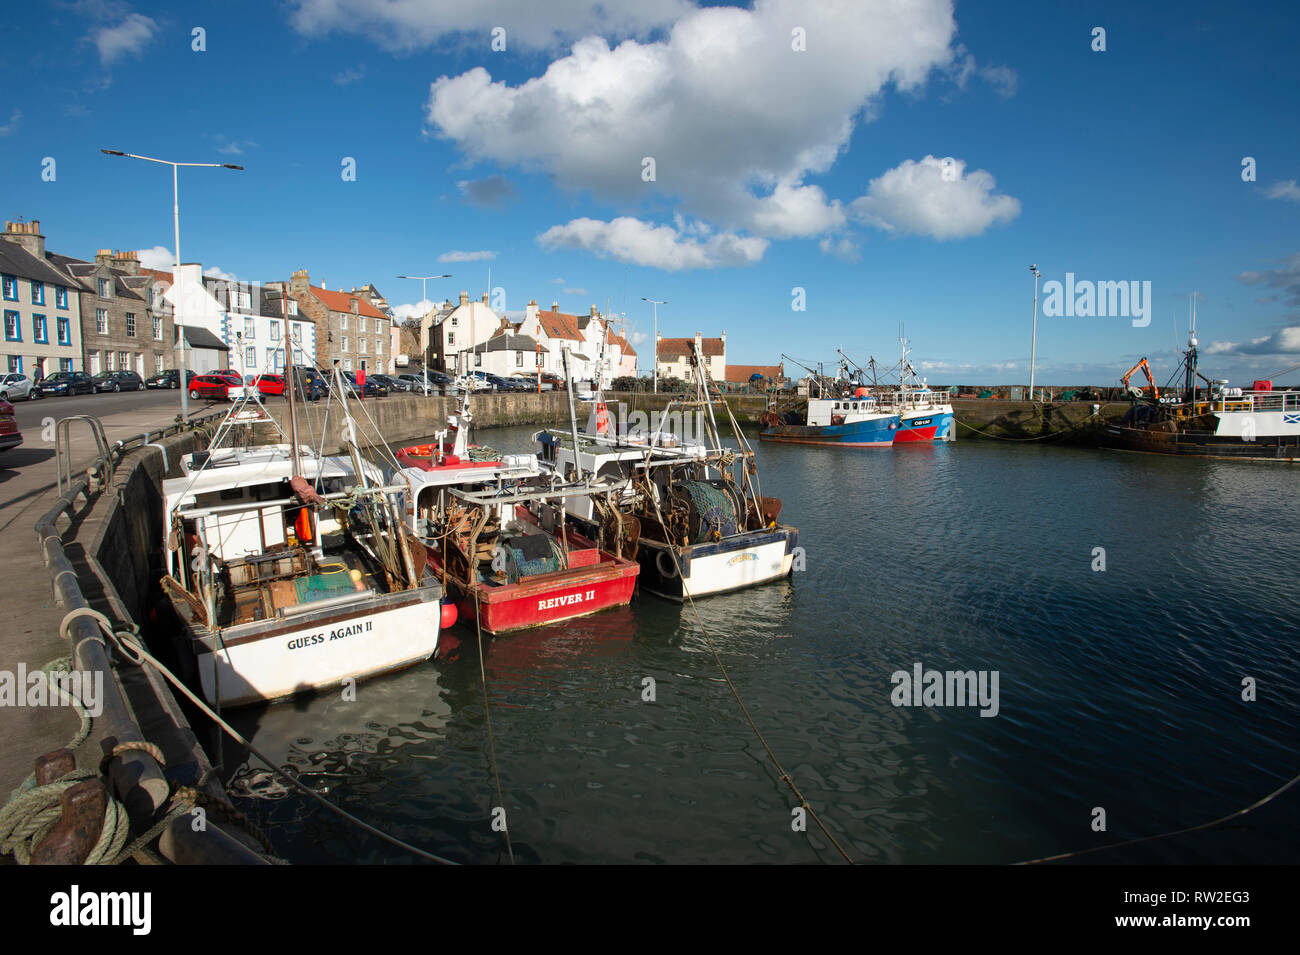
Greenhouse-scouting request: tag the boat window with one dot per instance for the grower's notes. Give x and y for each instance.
(836, 406)
(232, 493)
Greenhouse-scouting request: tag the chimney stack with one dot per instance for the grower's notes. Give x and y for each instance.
(28, 235)
(464, 298)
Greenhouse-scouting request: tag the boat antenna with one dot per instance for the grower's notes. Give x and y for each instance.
(573, 417)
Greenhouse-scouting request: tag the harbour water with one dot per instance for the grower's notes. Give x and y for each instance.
(1119, 689)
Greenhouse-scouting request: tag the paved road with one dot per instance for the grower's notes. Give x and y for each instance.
(31, 413)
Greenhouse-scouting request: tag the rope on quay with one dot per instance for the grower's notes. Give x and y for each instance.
(487, 718)
(128, 642)
(784, 776)
(1165, 835)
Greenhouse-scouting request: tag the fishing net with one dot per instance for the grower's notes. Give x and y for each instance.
(713, 508)
(531, 554)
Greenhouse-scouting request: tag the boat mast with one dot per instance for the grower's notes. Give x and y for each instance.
(573, 417)
(292, 382)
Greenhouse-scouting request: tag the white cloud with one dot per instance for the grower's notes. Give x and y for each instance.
(492, 191)
(402, 312)
(1284, 190)
(914, 197)
(159, 257)
(13, 123)
(1284, 341)
(412, 24)
(1003, 79)
(349, 76)
(843, 248)
(631, 240)
(575, 291)
(459, 256)
(213, 272)
(127, 38)
(1286, 279)
(557, 281)
(734, 119)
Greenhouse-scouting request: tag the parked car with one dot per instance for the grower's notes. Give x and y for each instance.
(506, 384)
(215, 386)
(373, 389)
(476, 381)
(118, 381)
(66, 383)
(389, 382)
(14, 385)
(312, 383)
(529, 382)
(270, 384)
(171, 378)
(10, 436)
(438, 382)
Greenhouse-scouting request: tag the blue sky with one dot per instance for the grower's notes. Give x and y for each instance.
(775, 168)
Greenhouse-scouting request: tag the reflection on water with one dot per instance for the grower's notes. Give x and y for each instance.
(1119, 688)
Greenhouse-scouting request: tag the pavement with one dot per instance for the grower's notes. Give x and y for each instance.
(31, 616)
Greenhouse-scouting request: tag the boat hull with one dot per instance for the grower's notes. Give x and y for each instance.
(877, 432)
(1202, 444)
(923, 426)
(318, 650)
(716, 567)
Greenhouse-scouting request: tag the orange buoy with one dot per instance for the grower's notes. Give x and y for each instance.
(449, 615)
(302, 526)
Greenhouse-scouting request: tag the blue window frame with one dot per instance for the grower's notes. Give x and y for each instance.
(60, 297)
(10, 285)
(40, 333)
(65, 332)
(38, 292)
(13, 330)
(16, 364)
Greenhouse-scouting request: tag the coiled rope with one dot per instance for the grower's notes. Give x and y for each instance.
(129, 644)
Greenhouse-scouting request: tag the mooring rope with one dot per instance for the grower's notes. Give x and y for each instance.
(133, 649)
(784, 776)
(1165, 835)
(487, 718)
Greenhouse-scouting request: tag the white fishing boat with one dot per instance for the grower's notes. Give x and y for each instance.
(701, 524)
(290, 571)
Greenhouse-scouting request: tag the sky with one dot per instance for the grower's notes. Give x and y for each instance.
(805, 176)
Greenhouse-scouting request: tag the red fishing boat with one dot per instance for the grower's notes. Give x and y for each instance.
(497, 535)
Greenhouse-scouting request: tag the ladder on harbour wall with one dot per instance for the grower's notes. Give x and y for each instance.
(102, 474)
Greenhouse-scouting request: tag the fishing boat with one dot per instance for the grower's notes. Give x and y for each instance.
(855, 420)
(924, 415)
(496, 535)
(290, 571)
(694, 507)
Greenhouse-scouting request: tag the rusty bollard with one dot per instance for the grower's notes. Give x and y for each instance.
(77, 831)
(53, 766)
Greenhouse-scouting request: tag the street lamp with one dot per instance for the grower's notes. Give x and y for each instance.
(176, 221)
(1033, 347)
(424, 331)
(656, 305)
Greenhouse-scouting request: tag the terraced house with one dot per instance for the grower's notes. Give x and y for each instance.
(349, 329)
(42, 306)
(120, 328)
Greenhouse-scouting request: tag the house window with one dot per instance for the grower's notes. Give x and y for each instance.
(250, 328)
(157, 363)
(379, 328)
(101, 321)
(65, 364)
(157, 329)
(519, 359)
(13, 331)
(11, 288)
(40, 333)
(343, 322)
(123, 361)
(478, 359)
(275, 331)
(38, 293)
(453, 321)
(130, 324)
(108, 361)
(361, 345)
(16, 364)
(279, 359)
(451, 338)
(293, 306)
(296, 332)
(363, 323)
(243, 300)
(60, 297)
(347, 364)
(250, 357)
(105, 291)
(345, 343)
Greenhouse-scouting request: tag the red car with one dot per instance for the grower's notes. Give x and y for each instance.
(216, 385)
(270, 384)
(10, 436)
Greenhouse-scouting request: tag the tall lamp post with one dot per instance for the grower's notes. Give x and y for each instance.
(1033, 346)
(176, 222)
(424, 331)
(656, 332)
